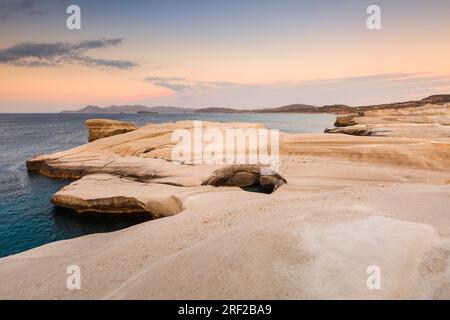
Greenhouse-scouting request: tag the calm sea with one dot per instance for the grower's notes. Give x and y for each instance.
(28, 220)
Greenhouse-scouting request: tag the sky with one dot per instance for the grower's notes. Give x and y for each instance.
(215, 53)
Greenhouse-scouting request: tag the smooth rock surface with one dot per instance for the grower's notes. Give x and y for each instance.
(350, 202)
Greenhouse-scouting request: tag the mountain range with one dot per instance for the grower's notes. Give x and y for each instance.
(131, 109)
(293, 108)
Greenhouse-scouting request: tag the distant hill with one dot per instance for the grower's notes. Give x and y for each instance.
(344, 109)
(218, 110)
(438, 98)
(337, 108)
(165, 109)
(130, 109)
(88, 109)
(292, 108)
(435, 99)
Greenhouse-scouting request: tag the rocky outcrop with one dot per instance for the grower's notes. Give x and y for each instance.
(429, 113)
(102, 128)
(298, 243)
(427, 122)
(271, 182)
(144, 154)
(345, 120)
(435, 131)
(130, 173)
(244, 176)
(107, 193)
(351, 202)
(354, 130)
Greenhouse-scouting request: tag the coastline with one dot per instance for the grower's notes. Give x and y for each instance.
(349, 202)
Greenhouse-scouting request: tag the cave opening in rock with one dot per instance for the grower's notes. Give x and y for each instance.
(248, 178)
(258, 189)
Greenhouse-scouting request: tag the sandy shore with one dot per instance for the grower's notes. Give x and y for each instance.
(350, 202)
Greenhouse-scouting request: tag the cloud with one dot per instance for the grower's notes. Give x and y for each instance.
(182, 84)
(108, 63)
(354, 91)
(53, 54)
(375, 78)
(12, 7)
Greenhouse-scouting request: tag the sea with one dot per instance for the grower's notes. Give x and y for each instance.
(29, 220)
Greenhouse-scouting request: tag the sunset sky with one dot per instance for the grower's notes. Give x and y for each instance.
(207, 53)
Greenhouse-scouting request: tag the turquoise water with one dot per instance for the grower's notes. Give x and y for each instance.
(28, 220)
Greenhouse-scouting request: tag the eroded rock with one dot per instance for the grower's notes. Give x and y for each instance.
(423, 122)
(244, 176)
(106, 193)
(345, 193)
(102, 128)
(272, 182)
(144, 156)
(345, 120)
